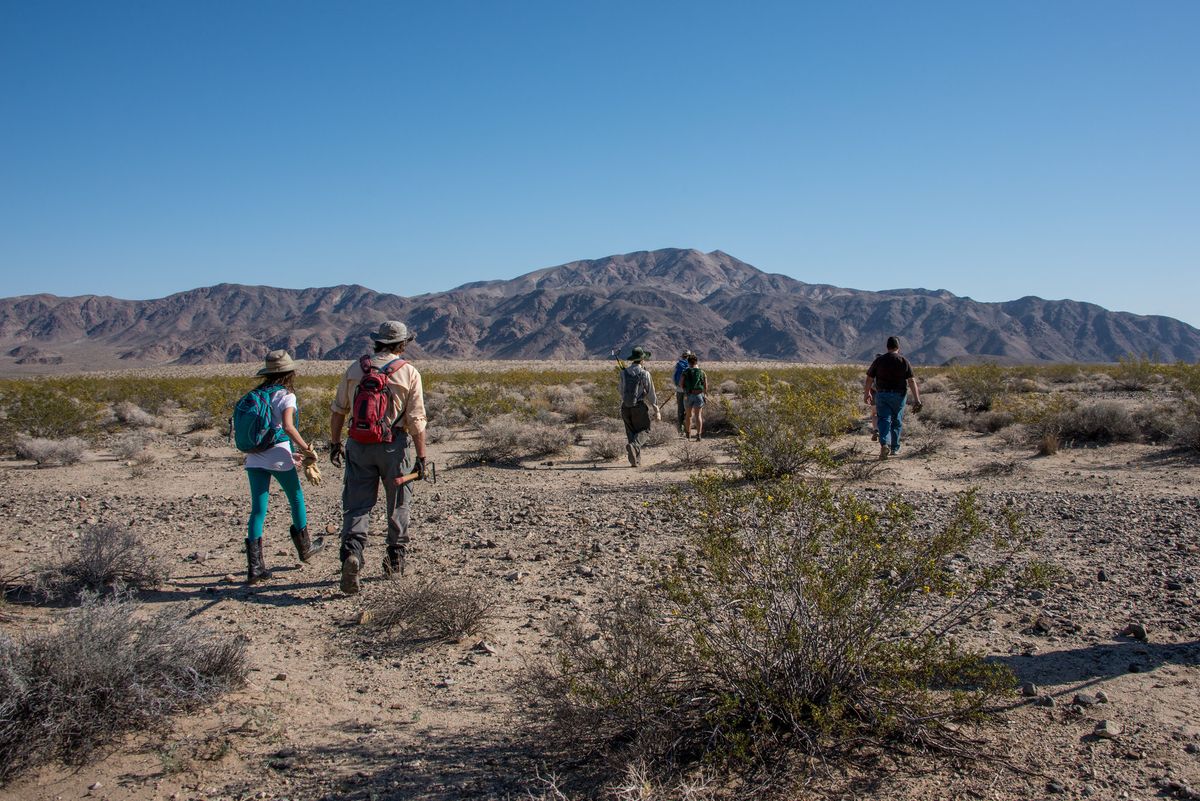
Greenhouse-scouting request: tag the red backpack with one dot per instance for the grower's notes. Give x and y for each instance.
(369, 409)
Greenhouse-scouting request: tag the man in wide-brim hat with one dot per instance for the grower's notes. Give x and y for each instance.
(638, 402)
(382, 446)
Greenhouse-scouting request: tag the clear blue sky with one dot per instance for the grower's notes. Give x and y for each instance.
(995, 149)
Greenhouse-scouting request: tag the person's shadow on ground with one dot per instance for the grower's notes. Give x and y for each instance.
(1095, 663)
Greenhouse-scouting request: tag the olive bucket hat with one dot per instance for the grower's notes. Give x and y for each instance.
(277, 362)
(638, 353)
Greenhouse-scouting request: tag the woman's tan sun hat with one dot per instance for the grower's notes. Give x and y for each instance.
(277, 361)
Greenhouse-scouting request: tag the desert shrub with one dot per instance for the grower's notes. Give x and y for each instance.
(1060, 373)
(935, 384)
(44, 410)
(797, 627)
(106, 557)
(688, 454)
(130, 414)
(978, 385)
(1186, 431)
(1099, 422)
(940, 411)
(435, 434)
(428, 612)
(996, 468)
(923, 440)
(105, 672)
(728, 387)
(1158, 422)
(508, 440)
(661, 433)
(51, 451)
(606, 447)
(1047, 445)
(572, 402)
(129, 445)
(1136, 373)
(1016, 435)
(783, 428)
(990, 422)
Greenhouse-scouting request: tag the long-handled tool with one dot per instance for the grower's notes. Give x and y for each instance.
(430, 475)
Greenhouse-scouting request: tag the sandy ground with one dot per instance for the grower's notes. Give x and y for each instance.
(330, 713)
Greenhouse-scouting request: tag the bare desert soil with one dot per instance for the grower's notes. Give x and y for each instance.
(332, 713)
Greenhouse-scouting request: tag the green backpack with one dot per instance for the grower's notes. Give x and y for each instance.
(693, 379)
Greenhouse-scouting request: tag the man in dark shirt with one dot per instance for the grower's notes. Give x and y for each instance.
(892, 377)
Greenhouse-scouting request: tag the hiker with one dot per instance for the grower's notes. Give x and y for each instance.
(382, 396)
(869, 401)
(695, 384)
(278, 459)
(637, 399)
(893, 379)
(680, 392)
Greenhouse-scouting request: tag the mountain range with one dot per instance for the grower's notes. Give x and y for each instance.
(666, 300)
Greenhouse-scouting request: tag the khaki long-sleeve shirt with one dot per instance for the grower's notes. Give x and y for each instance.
(407, 402)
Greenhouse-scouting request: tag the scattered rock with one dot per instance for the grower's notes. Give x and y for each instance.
(1101, 575)
(1109, 729)
(516, 575)
(483, 646)
(1055, 787)
(1029, 689)
(1084, 700)
(331, 529)
(1046, 700)
(1101, 697)
(587, 571)
(280, 677)
(1174, 586)
(364, 617)
(1135, 630)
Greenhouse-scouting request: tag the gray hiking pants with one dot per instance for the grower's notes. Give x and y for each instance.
(366, 466)
(637, 425)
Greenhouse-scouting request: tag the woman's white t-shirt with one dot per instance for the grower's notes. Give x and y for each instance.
(278, 457)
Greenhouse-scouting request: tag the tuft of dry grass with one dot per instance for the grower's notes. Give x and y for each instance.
(509, 440)
(606, 447)
(690, 455)
(1048, 445)
(430, 611)
(105, 558)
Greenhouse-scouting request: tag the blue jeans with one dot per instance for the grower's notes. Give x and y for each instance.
(889, 412)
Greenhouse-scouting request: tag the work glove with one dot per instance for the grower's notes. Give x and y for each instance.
(420, 468)
(336, 451)
(312, 473)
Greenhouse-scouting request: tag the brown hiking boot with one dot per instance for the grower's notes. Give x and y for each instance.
(306, 547)
(883, 451)
(350, 568)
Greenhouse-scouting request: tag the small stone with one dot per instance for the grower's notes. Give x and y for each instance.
(1045, 700)
(585, 570)
(1174, 586)
(1055, 787)
(1192, 748)
(364, 617)
(483, 646)
(280, 677)
(446, 682)
(1109, 729)
(95, 786)
(1101, 697)
(1135, 630)
(1029, 689)
(516, 575)
(1084, 700)
(1101, 575)
(330, 528)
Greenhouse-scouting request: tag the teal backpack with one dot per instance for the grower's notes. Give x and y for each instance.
(251, 424)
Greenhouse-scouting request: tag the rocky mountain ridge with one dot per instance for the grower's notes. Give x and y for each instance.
(665, 299)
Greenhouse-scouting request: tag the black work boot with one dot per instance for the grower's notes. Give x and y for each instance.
(256, 568)
(306, 547)
(393, 562)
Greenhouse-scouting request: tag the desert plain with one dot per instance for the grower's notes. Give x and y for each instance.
(332, 710)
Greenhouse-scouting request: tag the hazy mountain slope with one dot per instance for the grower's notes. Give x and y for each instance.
(665, 299)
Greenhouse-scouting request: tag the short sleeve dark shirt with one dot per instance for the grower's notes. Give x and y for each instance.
(891, 372)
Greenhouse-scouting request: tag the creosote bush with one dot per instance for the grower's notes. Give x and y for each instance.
(107, 671)
(688, 455)
(798, 626)
(604, 447)
(784, 427)
(105, 558)
(978, 385)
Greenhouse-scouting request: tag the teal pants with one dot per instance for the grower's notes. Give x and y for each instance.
(260, 491)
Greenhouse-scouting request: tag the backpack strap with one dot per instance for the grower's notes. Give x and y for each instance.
(392, 366)
(365, 364)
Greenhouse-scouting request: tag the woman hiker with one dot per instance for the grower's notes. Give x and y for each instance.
(695, 384)
(278, 460)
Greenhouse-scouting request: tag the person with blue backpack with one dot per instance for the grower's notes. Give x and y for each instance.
(265, 428)
(680, 392)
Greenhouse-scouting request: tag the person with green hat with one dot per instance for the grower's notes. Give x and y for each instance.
(637, 399)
